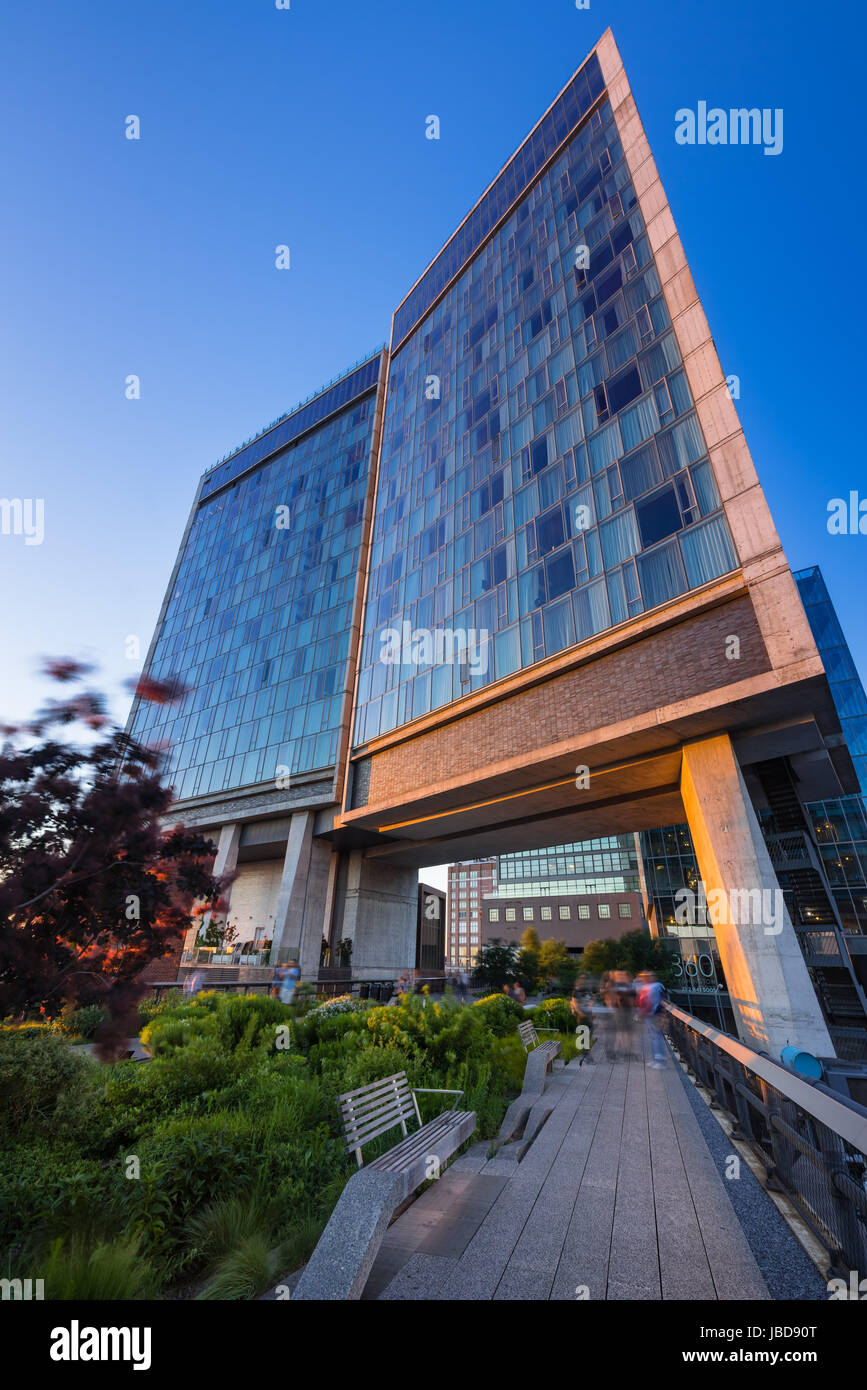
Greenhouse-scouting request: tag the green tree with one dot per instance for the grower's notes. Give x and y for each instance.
(527, 964)
(497, 963)
(599, 956)
(552, 957)
(634, 952)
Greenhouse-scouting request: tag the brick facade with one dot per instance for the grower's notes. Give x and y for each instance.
(675, 663)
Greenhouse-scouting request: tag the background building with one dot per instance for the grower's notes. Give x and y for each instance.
(819, 853)
(575, 893)
(468, 885)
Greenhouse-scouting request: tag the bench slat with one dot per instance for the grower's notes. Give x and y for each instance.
(376, 1124)
(361, 1115)
(377, 1102)
(421, 1136)
(404, 1154)
(387, 1083)
(357, 1141)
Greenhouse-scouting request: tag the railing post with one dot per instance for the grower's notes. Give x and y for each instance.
(851, 1253)
(779, 1174)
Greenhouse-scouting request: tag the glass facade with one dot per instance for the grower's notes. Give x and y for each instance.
(670, 866)
(543, 474)
(257, 622)
(843, 678)
(840, 828)
(608, 864)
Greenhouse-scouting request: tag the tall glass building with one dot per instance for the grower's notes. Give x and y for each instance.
(543, 474)
(843, 678)
(403, 611)
(258, 615)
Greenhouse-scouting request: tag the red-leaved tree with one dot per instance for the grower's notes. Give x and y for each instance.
(92, 884)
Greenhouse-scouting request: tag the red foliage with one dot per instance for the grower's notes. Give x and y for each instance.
(92, 886)
(158, 692)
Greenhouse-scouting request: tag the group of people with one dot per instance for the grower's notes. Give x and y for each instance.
(618, 1008)
(284, 982)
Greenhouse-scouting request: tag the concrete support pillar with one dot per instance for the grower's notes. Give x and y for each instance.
(380, 913)
(771, 992)
(317, 907)
(289, 913)
(225, 862)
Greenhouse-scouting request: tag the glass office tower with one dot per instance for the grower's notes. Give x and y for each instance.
(543, 475)
(608, 864)
(843, 678)
(257, 619)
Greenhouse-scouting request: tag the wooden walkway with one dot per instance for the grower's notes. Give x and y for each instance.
(617, 1197)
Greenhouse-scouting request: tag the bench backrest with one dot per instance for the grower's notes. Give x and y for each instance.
(371, 1110)
(529, 1036)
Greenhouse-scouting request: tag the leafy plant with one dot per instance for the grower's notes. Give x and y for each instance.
(80, 1023)
(497, 963)
(114, 1270)
(500, 1014)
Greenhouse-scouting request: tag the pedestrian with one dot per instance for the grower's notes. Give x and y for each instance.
(290, 983)
(286, 978)
(464, 985)
(650, 1007)
(193, 983)
(519, 994)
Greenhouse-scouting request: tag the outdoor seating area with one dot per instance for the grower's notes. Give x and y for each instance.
(342, 1260)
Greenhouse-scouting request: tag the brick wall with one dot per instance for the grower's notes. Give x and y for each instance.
(679, 662)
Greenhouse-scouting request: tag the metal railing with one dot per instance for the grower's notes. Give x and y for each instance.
(813, 1145)
(382, 990)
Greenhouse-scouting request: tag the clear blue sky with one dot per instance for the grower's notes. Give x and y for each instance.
(306, 127)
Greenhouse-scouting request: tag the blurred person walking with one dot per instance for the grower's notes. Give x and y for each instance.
(650, 998)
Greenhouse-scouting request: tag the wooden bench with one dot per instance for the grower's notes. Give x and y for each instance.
(529, 1035)
(540, 1056)
(341, 1262)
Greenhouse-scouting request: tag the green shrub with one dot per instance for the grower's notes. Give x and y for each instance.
(150, 1009)
(234, 1022)
(33, 1028)
(36, 1070)
(246, 1271)
(114, 1270)
(554, 1013)
(80, 1023)
(500, 1014)
(218, 1229)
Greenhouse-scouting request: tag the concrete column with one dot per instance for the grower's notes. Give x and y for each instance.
(289, 913)
(225, 862)
(771, 992)
(317, 907)
(380, 914)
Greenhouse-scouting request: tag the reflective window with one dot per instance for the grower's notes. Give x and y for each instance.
(543, 474)
(257, 621)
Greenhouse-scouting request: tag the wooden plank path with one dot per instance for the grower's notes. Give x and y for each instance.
(617, 1195)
